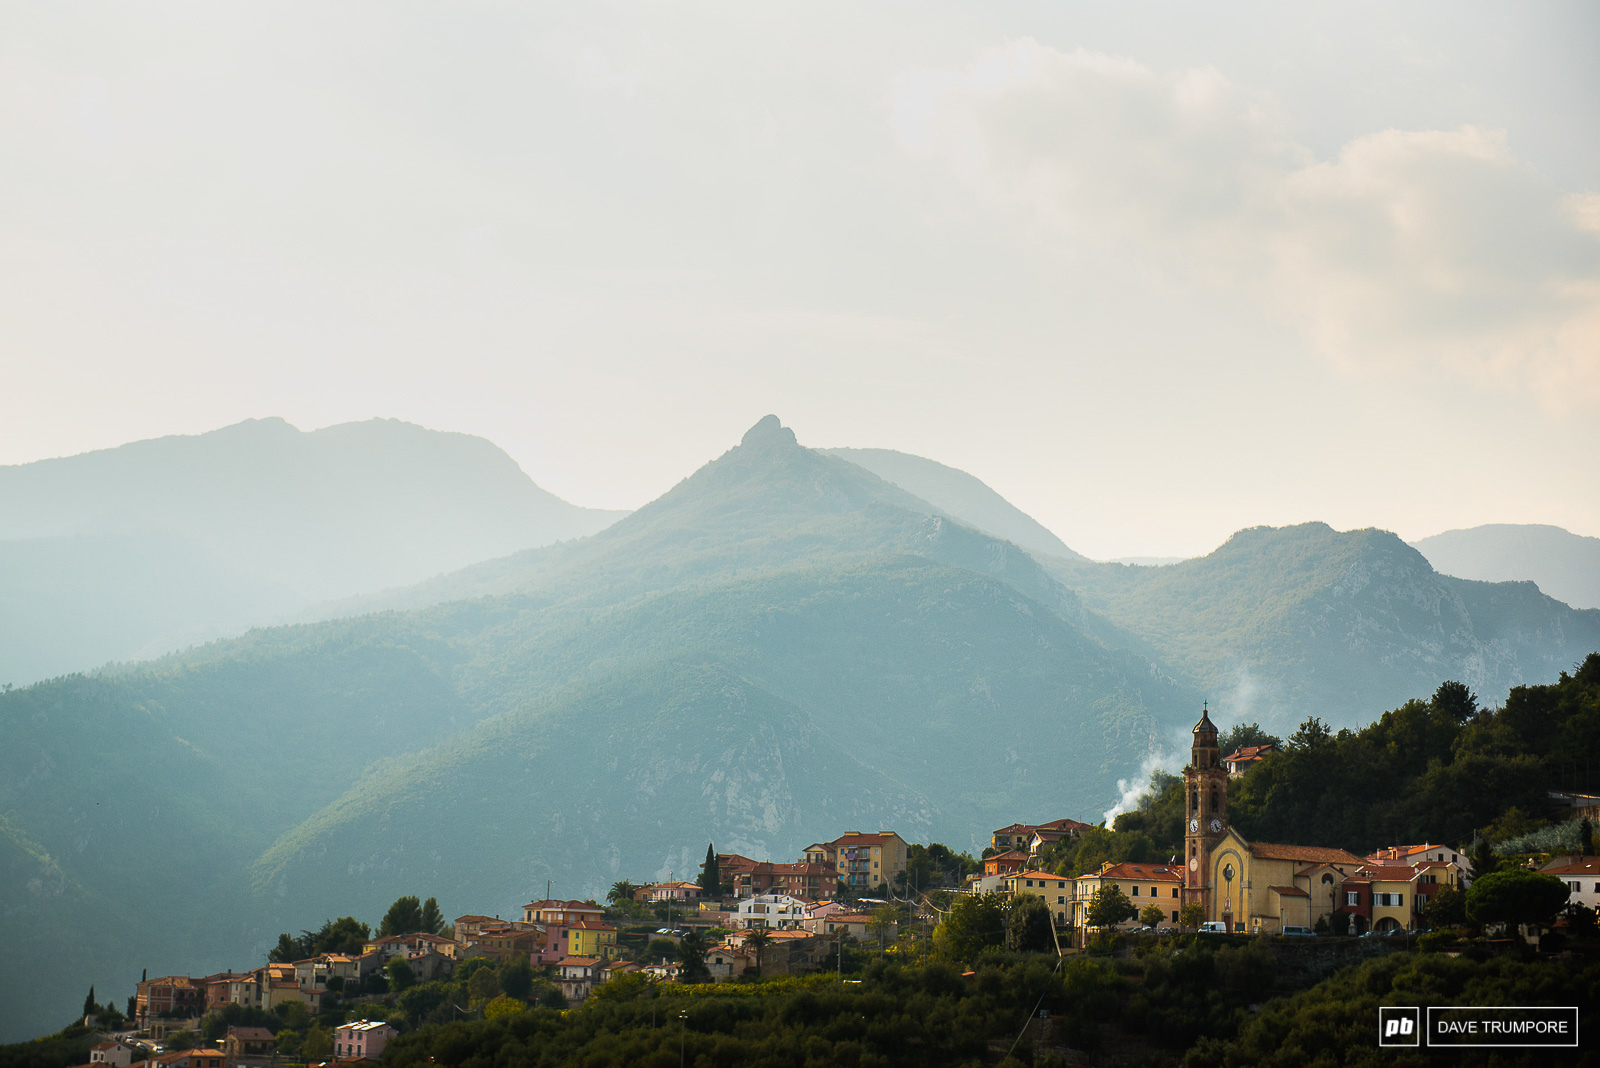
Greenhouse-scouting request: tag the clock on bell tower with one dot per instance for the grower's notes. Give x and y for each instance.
(1205, 787)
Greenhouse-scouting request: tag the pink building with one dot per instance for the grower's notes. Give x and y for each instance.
(363, 1038)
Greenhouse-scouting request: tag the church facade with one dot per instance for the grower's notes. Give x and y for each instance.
(1252, 887)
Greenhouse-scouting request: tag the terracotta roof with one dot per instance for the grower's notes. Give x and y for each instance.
(252, 1034)
(475, 919)
(1251, 752)
(590, 925)
(554, 905)
(860, 838)
(1396, 873)
(1289, 891)
(1584, 867)
(586, 962)
(1040, 875)
(1138, 873)
(1314, 854)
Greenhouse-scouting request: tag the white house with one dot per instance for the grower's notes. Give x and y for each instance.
(777, 911)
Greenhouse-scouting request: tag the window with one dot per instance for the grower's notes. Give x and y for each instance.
(1155, 891)
(1351, 899)
(1174, 891)
(1174, 917)
(1136, 891)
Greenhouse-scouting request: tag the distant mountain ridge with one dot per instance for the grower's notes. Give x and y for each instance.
(781, 647)
(1285, 622)
(242, 525)
(784, 645)
(960, 495)
(1564, 565)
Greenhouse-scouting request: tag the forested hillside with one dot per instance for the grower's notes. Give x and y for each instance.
(1281, 623)
(783, 647)
(1440, 769)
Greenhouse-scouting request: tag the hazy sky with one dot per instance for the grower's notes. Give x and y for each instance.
(1153, 271)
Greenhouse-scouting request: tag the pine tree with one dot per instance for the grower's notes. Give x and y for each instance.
(88, 1002)
(432, 919)
(710, 873)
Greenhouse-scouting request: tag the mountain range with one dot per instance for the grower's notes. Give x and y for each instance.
(1563, 564)
(783, 647)
(132, 552)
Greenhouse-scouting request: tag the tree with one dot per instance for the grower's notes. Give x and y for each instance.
(1313, 734)
(403, 917)
(1455, 701)
(1516, 897)
(318, 1043)
(504, 1005)
(1243, 734)
(484, 985)
(400, 974)
(432, 919)
(661, 949)
(286, 951)
(1447, 908)
(711, 873)
(88, 1002)
(344, 935)
(1485, 861)
(973, 924)
(185, 1039)
(1585, 844)
(1191, 915)
(629, 986)
(1110, 906)
(516, 979)
(620, 891)
(692, 956)
(1030, 924)
(1152, 915)
(759, 939)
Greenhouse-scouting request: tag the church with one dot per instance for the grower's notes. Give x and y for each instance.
(1252, 887)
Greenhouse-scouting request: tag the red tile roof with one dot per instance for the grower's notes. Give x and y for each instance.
(1583, 867)
(1140, 873)
(1314, 854)
(1289, 891)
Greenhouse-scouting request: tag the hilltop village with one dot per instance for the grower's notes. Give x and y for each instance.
(861, 893)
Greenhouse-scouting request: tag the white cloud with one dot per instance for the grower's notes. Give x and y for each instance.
(1407, 251)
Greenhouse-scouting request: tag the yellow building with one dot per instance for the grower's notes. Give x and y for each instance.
(864, 861)
(591, 938)
(1141, 884)
(1058, 891)
(1260, 888)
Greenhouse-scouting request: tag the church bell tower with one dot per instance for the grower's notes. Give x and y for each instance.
(1205, 786)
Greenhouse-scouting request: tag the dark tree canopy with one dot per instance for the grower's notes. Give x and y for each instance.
(1243, 734)
(692, 956)
(1110, 906)
(1516, 897)
(1030, 925)
(974, 923)
(711, 873)
(403, 917)
(432, 919)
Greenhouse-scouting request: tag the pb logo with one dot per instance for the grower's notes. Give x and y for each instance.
(1399, 1026)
